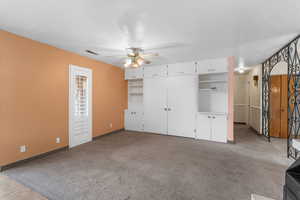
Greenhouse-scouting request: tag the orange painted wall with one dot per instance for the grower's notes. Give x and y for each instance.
(34, 96)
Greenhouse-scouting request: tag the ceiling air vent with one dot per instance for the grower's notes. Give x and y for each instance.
(91, 52)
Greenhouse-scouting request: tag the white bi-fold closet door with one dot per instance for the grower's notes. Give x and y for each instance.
(155, 105)
(170, 105)
(182, 105)
(80, 105)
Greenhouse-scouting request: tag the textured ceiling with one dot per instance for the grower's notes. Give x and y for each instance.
(190, 30)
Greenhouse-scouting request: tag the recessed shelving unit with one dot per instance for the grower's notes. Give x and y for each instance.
(213, 93)
(213, 81)
(135, 93)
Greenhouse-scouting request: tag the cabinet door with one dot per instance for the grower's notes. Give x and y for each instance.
(212, 66)
(137, 117)
(133, 120)
(203, 127)
(221, 65)
(182, 105)
(181, 69)
(219, 128)
(155, 71)
(129, 122)
(155, 103)
(134, 73)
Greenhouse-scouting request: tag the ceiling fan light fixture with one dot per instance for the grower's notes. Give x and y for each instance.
(128, 63)
(140, 61)
(135, 65)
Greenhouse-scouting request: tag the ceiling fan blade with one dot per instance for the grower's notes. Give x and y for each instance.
(115, 56)
(165, 46)
(149, 55)
(147, 62)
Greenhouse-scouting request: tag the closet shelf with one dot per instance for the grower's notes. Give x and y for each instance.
(213, 81)
(136, 94)
(209, 91)
(135, 86)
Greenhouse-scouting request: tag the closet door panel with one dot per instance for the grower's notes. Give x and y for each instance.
(155, 103)
(129, 122)
(182, 105)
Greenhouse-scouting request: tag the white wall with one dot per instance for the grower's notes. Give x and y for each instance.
(241, 98)
(255, 98)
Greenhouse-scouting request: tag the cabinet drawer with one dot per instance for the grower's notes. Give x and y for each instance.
(212, 66)
(181, 69)
(155, 71)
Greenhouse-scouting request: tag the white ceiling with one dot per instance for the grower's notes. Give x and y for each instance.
(178, 30)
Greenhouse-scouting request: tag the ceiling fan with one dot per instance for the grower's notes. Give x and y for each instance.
(136, 57)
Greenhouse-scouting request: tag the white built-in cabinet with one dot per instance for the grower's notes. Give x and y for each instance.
(182, 105)
(212, 66)
(212, 127)
(170, 105)
(183, 99)
(134, 73)
(155, 105)
(180, 69)
(134, 120)
(156, 71)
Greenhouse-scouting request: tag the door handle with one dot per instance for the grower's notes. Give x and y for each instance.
(208, 116)
(165, 109)
(169, 109)
(214, 117)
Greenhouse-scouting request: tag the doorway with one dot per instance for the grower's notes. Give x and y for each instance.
(279, 106)
(80, 105)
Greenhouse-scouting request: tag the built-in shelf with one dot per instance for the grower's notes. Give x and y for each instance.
(135, 86)
(211, 90)
(136, 94)
(213, 81)
(213, 113)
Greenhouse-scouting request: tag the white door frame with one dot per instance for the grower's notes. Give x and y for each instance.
(88, 72)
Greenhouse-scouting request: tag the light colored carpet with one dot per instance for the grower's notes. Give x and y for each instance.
(11, 190)
(135, 166)
(258, 197)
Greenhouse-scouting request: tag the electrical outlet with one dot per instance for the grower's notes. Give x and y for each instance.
(110, 125)
(58, 140)
(22, 148)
